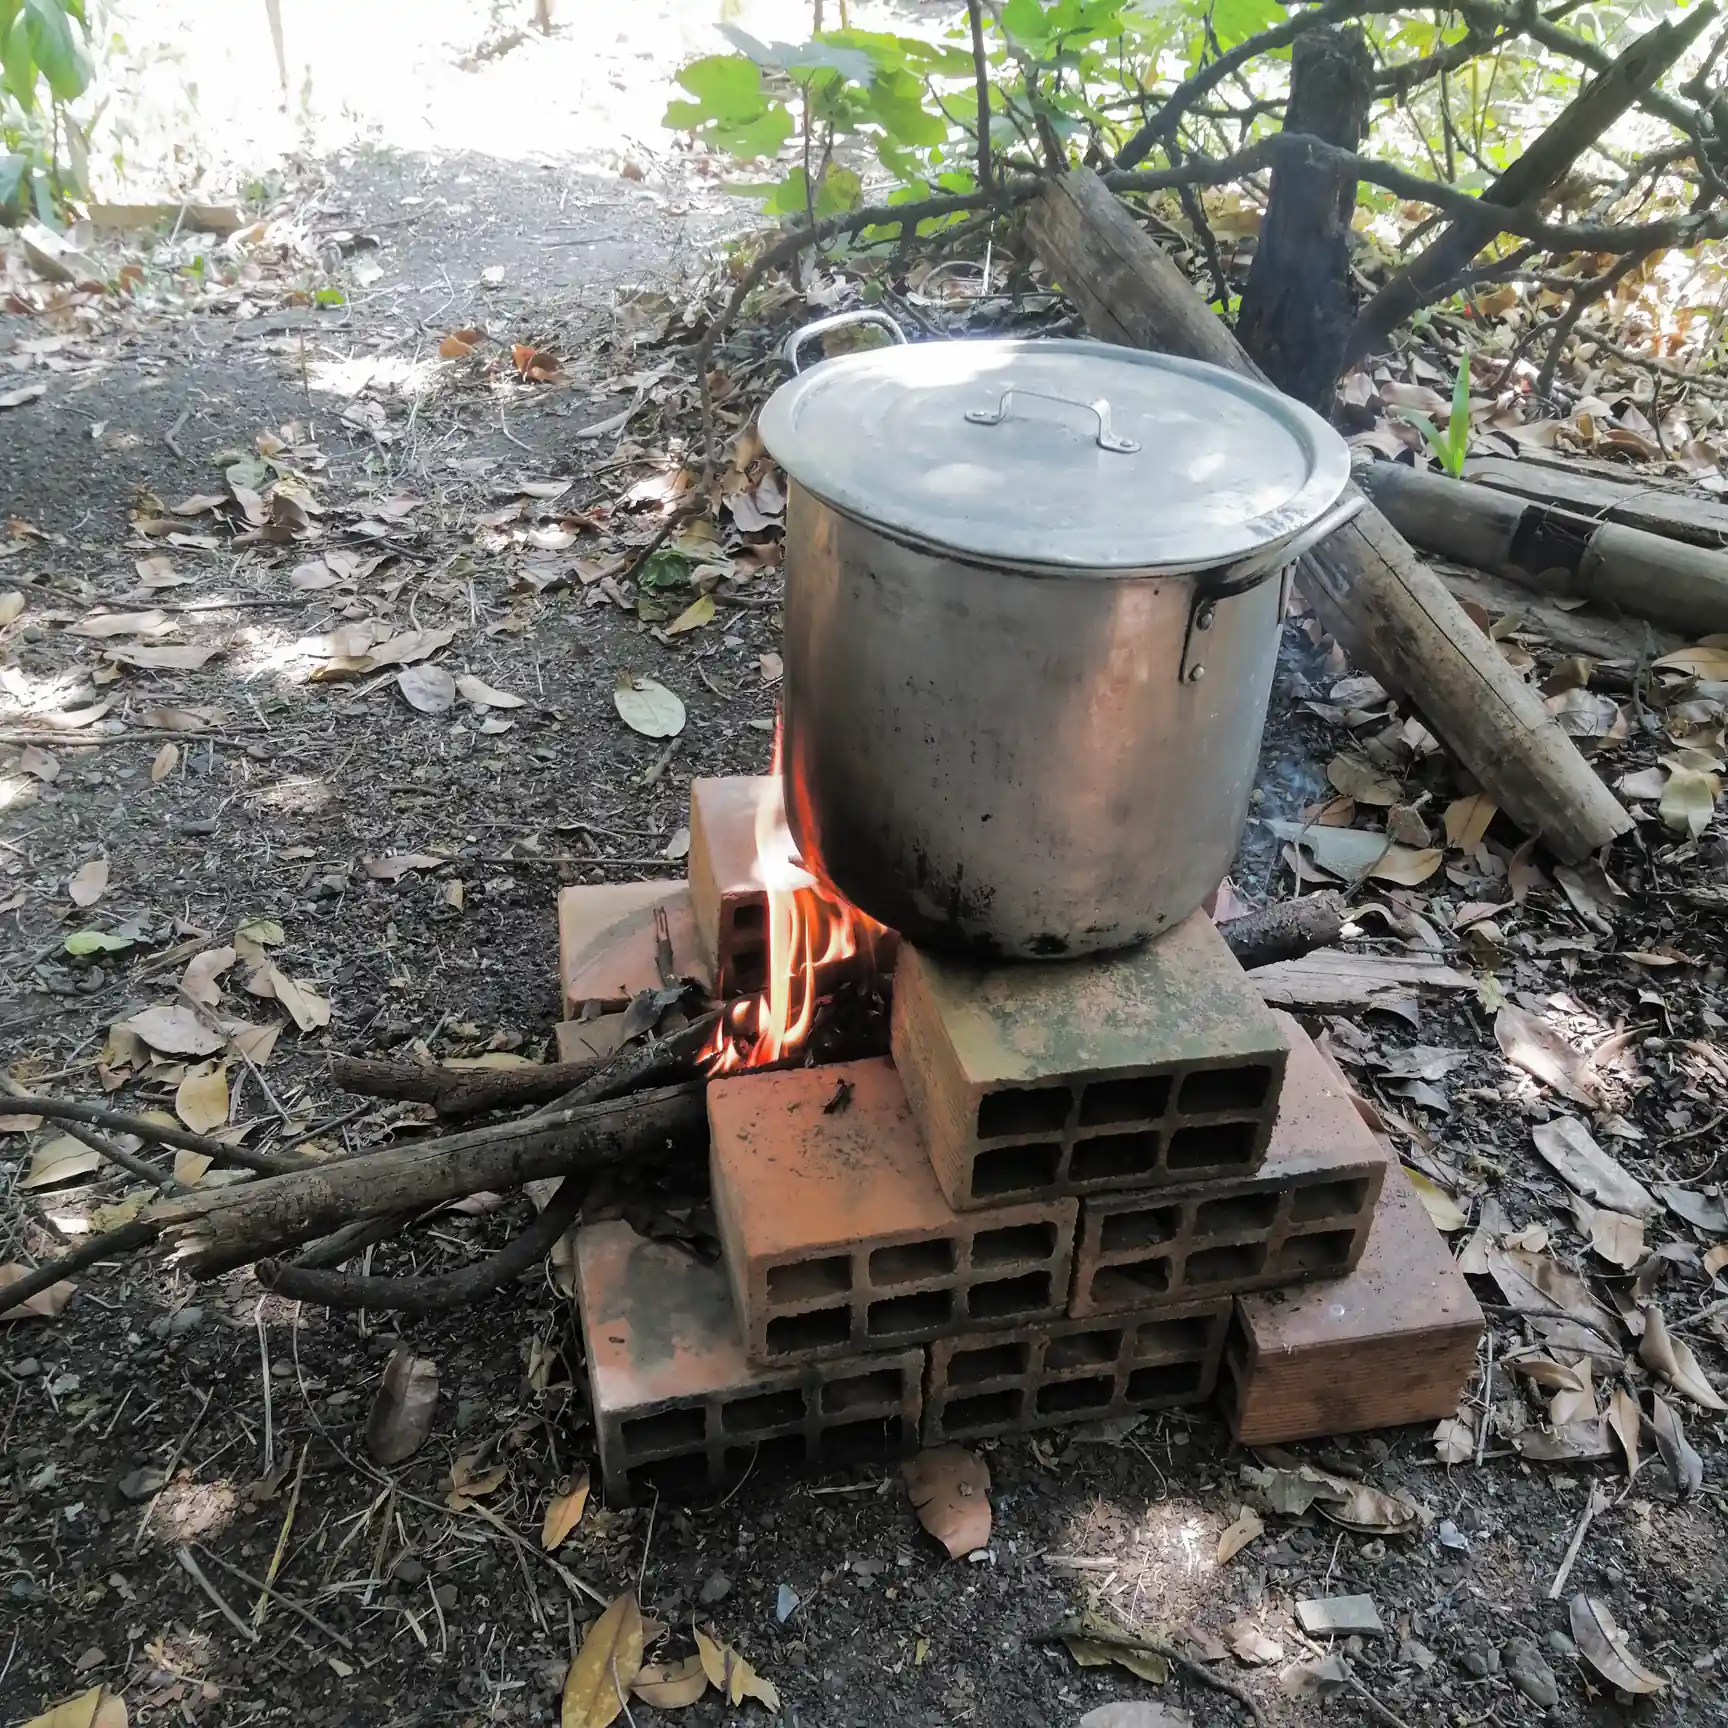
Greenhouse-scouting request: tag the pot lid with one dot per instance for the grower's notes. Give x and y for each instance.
(1065, 454)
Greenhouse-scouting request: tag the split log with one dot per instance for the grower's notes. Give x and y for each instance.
(1634, 501)
(231, 1226)
(1553, 551)
(1539, 167)
(1299, 307)
(1285, 931)
(459, 1091)
(1391, 612)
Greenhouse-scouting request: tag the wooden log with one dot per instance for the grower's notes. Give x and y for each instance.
(231, 1226)
(459, 1091)
(1556, 551)
(1539, 166)
(1395, 615)
(1299, 306)
(1635, 502)
(1286, 930)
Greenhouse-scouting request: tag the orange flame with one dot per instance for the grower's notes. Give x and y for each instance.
(810, 931)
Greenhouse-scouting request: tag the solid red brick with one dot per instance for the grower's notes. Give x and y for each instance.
(1157, 1066)
(677, 1406)
(1393, 1342)
(1305, 1215)
(1047, 1374)
(837, 1236)
(606, 941)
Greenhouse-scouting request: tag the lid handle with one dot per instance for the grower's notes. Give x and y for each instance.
(839, 321)
(1106, 439)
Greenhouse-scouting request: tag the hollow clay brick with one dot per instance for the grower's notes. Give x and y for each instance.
(1393, 1342)
(1159, 1066)
(677, 1406)
(606, 946)
(1305, 1215)
(1043, 1375)
(836, 1234)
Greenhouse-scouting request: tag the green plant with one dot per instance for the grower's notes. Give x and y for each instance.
(42, 42)
(1453, 445)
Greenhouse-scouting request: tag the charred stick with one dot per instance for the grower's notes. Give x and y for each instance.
(355, 1238)
(218, 1151)
(447, 1289)
(1285, 931)
(661, 1062)
(127, 1239)
(459, 1091)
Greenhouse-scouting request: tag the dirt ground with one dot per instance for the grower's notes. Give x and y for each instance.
(156, 1417)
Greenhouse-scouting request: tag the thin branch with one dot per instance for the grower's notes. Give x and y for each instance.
(126, 1239)
(1157, 1647)
(1585, 296)
(219, 1151)
(981, 71)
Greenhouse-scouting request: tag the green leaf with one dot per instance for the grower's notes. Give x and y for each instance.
(1234, 20)
(853, 63)
(1026, 22)
(95, 941)
(728, 86)
(12, 169)
(897, 101)
(329, 297)
(19, 54)
(1458, 426)
(58, 51)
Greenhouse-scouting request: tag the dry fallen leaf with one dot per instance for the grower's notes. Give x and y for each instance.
(1671, 1358)
(1454, 1441)
(1466, 821)
(1705, 661)
(1617, 1238)
(730, 1675)
(44, 764)
(88, 882)
(199, 980)
(1568, 1146)
(700, 611)
(397, 864)
(61, 1159)
(1245, 1529)
(1684, 1464)
(401, 1413)
(1606, 1647)
(468, 1484)
(426, 687)
(1689, 800)
(164, 762)
(479, 692)
(44, 1305)
(201, 1099)
(1623, 1418)
(1135, 1713)
(949, 1488)
(671, 1685)
(306, 1008)
(174, 1031)
(1102, 1653)
(1530, 1043)
(565, 1511)
(1251, 1645)
(459, 344)
(605, 1668)
(97, 1708)
(1444, 1212)
(645, 705)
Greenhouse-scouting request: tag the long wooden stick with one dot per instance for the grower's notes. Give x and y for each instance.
(1391, 611)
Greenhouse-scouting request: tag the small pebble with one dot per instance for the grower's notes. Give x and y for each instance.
(1527, 1671)
(1479, 1664)
(717, 1587)
(408, 1570)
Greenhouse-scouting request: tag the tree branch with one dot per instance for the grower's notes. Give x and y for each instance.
(981, 71)
(218, 1151)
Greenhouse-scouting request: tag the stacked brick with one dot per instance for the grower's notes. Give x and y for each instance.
(1075, 1191)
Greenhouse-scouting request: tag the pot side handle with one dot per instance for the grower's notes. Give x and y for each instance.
(839, 321)
(1238, 578)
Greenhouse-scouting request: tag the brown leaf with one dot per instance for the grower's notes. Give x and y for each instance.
(1617, 1238)
(100, 625)
(1530, 1043)
(401, 1414)
(1251, 1645)
(305, 1006)
(1467, 820)
(1606, 1648)
(482, 694)
(62, 1159)
(1684, 1464)
(468, 1484)
(1671, 1358)
(565, 1512)
(395, 865)
(44, 1305)
(97, 1708)
(202, 971)
(459, 344)
(1246, 1528)
(671, 1685)
(44, 764)
(605, 1668)
(1455, 1441)
(164, 762)
(1570, 1149)
(1443, 1211)
(534, 365)
(949, 1488)
(730, 1675)
(1623, 1418)
(201, 1100)
(1101, 1653)
(88, 882)
(426, 687)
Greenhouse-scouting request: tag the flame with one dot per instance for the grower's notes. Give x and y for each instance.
(810, 931)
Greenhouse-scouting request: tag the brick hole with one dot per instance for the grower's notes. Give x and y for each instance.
(909, 1262)
(1015, 1243)
(981, 1410)
(1219, 1143)
(1010, 1169)
(782, 1452)
(1143, 1098)
(861, 1391)
(749, 917)
(864, 1442)
(1106, 1157)
(1230, 1378)
(1236, 1350)
(683, 1478)
(788, 1333)
(1023, 1110)
(1223, 1089)
(747, 971)
(1236, 1212)
(810, 1280)
(1007, 1296)
(1062, 1396)
(665, 1432)
(1327, 1252)
(1187, 1336)
(995, 1362)
(1083, 1350)
(1226, 1265)
(915, 1313)
(1129, 1230)
(764, 1411)
(1328, 1200)
(1166, 1380)
(1137, 1281)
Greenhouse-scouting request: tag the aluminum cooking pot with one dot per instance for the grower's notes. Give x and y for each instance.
(1032, 612)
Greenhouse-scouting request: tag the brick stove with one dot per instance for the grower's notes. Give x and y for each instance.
(1072, 1190)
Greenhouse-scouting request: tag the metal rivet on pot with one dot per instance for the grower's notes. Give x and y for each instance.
(1196, 673)
(1203, 618)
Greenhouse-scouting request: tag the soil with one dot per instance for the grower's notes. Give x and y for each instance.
(157, 1421)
